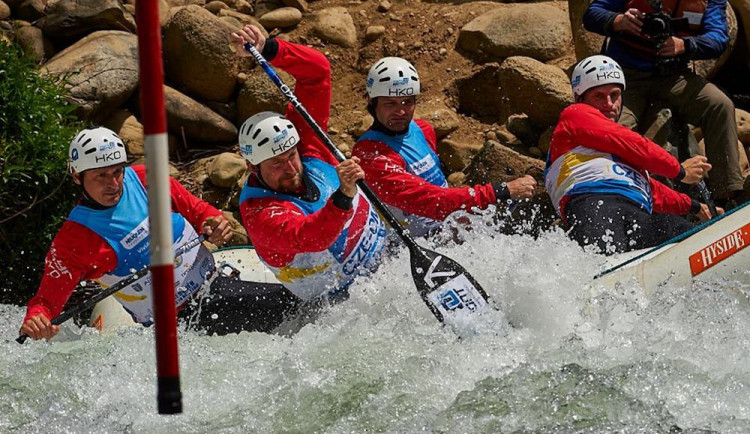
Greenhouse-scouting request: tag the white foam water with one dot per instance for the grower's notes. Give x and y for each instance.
(559, 355)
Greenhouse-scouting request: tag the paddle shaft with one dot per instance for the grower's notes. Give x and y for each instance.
(91, 301)
(289, 94)
(706, 195)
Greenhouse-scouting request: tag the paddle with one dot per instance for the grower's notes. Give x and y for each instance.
(447, 288)
(91, 301)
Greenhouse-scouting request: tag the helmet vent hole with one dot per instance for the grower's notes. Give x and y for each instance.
(255, 136)
(589, 71)
(276, 128)
(382, 70)
(401, 74)
(86, 142)
(263, 142)
(384, 79)
(89, 151)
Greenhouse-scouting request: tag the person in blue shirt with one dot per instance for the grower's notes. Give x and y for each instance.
(654, 41)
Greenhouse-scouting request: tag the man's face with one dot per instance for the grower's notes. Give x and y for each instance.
(102, 185)
(606, 98)
(395, 112)
(283, 173)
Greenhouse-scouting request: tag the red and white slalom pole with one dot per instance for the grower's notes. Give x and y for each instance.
(169, 396)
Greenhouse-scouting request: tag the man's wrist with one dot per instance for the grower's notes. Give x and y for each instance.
(681, 175)
(341, 200)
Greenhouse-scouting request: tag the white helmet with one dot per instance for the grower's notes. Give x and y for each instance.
(392, 76)
(596, 71)
(96, 148)
(266, 135)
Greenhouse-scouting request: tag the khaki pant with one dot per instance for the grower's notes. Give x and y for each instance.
(699, 103)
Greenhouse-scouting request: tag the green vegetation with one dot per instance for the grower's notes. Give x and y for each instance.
(36, 125)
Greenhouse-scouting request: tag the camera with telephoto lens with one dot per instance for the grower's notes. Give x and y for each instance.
(657, 26)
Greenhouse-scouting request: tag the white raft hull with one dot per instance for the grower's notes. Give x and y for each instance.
(108, 315)
(718, 251)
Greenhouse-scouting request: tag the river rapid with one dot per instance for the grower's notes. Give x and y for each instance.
(560, 355)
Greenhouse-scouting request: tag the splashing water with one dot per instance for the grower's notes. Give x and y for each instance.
(560, 355)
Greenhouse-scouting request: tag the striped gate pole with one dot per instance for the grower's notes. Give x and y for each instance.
(169, 396)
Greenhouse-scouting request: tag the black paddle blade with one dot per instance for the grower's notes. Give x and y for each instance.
(447, 288)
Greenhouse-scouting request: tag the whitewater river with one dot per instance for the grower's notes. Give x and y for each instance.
(576, 359)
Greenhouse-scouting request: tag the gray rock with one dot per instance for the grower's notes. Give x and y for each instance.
(297, 4)
(529, 86)
(263, 7)
(539, 31)
(215, 6)
(70, 19)
(281, 18)
(129, 129)
(100, 70)
(226, 169)
(456, 156)
(373, 33)
(336, 26)
(586, 43)
(197, 55)
(34, 43)
(442, 119)
(30, 10)
(195, 120)
(4, 11)
(258, 94)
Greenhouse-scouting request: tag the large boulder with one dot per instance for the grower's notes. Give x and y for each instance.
(34, 43)
(529, 86)
(336, 26)
(586, 43)
(71, 19)
(197, 55)
(258, 94)
(100, 71)
(540, 31)
(196, 121)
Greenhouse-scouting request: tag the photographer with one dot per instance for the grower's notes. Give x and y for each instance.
(653, 42)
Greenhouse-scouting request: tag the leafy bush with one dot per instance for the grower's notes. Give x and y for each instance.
(36, 125)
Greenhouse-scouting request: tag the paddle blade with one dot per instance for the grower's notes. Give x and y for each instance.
(447, 288)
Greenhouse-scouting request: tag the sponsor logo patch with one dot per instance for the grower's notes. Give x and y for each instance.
(719, 250)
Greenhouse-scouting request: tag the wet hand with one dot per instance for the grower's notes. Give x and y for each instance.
(705, 214)
(39, 327)
(522, 188)
(672, 47)
(250, 34)
(349, 173)
(218, 230)
(630, 21)
(695, 168)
